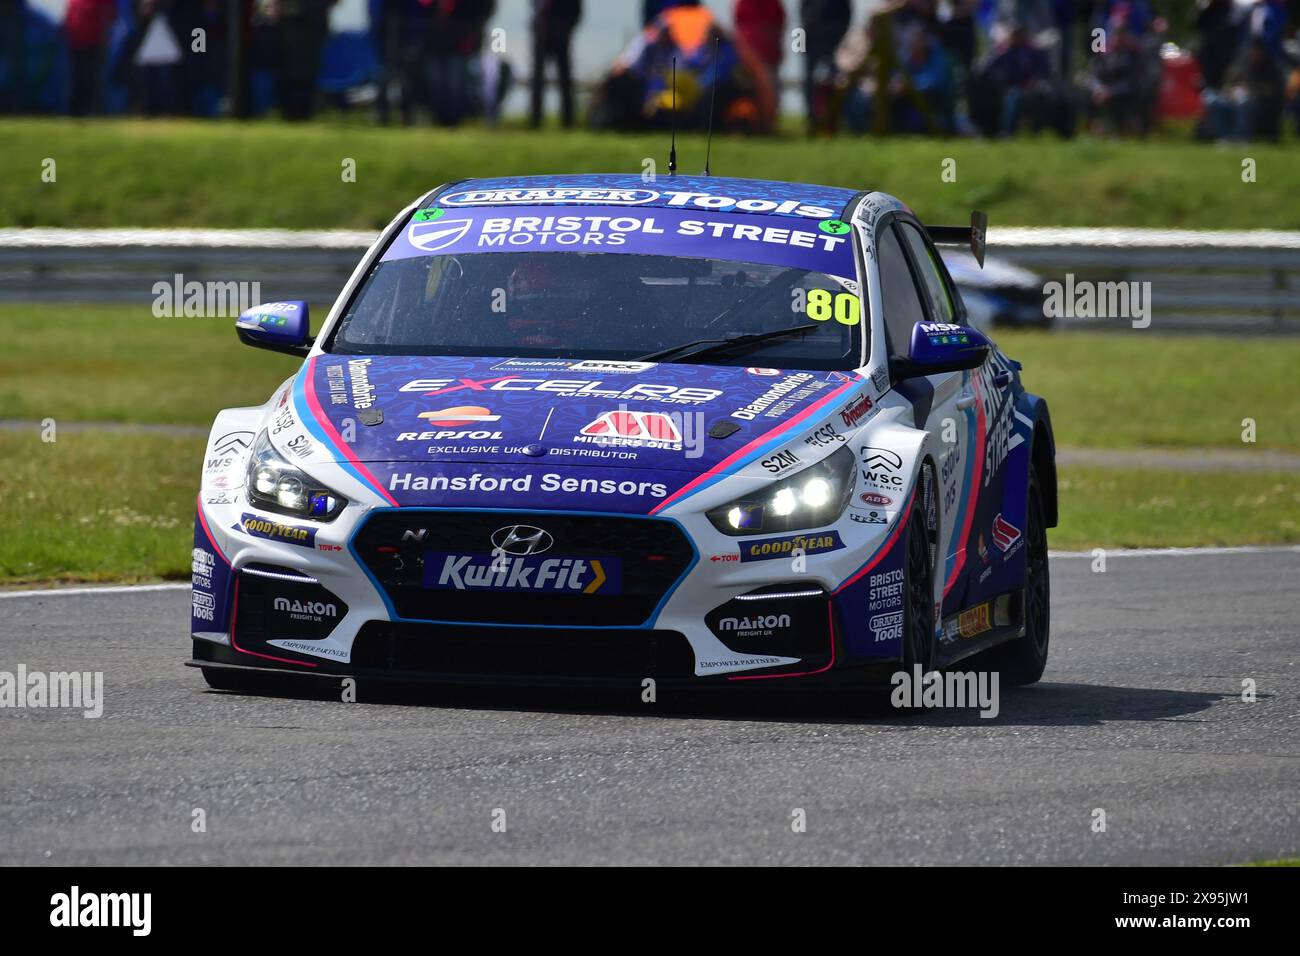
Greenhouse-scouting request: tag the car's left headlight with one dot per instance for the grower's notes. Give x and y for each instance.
(814, 497)
(275, 485)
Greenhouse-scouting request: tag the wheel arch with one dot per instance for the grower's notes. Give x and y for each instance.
(1043, 457)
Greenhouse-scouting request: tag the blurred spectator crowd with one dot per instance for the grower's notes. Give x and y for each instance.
(1116, 67)
(992, 68)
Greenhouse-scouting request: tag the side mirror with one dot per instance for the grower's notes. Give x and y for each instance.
(278, 326)
(941, 347)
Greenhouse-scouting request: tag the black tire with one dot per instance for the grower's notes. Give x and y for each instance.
(1022, 661)
(918, 583)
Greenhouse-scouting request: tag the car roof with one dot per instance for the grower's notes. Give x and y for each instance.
(763, 196)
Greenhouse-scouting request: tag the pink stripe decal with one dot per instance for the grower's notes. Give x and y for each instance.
(234, 617)
(313, 404)
(830, 627)
(723, 466)
(977, 475)
(203, 523)
(883, 550)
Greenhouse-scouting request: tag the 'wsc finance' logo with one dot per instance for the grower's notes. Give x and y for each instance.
(439, 234)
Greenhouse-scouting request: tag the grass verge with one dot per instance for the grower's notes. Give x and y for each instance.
(1136, 389)
(1105, 389)
(114, 506)
(272, 174)
(96, 506)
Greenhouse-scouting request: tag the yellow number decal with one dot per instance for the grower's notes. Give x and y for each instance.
(819, 305)
(847, 309)
(843, 306)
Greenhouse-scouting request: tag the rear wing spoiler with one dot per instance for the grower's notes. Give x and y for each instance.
(975, 235)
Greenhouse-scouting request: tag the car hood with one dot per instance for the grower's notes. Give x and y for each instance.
(530, 412)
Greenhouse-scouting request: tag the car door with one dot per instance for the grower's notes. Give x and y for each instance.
(945, 405)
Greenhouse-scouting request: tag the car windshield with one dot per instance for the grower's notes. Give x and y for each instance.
(609, 305)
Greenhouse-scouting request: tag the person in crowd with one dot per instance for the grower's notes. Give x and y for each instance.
(397, 30)
(453, 45)
(761, 25)
(155, 53)
(825, 22)
(639, 90)
(903, 80)
(1065, 13)
(203, 71)
(553, 24)
(1266, 23)
(301, 28)
(650, 9)
(960, 35)
(1217, 33)
(88, 24)
(1136, 15)
(13, 61)
(1256, 85)
(1021, 74)
(1115, 84)
(1293, 94)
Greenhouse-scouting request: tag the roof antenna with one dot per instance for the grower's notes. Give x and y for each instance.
(672, 148)
(713, 99)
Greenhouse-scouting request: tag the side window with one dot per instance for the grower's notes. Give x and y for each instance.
(936, 291)
(898, 292)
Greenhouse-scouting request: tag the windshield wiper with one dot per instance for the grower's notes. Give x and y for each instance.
(718, 346)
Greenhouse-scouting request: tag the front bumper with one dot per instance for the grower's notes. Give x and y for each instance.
(361, 603)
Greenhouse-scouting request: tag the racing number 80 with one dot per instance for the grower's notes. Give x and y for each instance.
(842, 306)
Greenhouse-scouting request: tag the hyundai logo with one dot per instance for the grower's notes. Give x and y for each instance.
(521, 539)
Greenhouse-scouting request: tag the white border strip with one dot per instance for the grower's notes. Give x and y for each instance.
(1178, 552)
(106, 589)
(1124, 238)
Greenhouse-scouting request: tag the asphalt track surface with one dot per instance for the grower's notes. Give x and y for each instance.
(1140, 715)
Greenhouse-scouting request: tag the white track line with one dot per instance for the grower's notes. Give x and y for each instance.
(1110, 553)
(1178, 552)
(109, 589)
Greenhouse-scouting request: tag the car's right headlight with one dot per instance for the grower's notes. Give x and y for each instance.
(275, 485)
(812, 498)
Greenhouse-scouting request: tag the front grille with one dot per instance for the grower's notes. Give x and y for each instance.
(521, 652)
(641, 559)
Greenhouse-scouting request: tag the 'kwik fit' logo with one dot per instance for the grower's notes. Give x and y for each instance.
(500, 571)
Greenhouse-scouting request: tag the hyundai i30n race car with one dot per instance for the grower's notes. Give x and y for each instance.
(593, 429)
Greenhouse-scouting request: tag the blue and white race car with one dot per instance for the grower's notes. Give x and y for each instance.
(593, 429)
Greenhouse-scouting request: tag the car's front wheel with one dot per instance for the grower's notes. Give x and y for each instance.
(918, 613)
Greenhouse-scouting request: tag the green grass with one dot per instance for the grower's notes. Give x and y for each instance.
(119, 363)
(1288, 861)
(94, 507)
(1142, 389)
(99, 507)
(270, 174)
(110, 506)
(1106, 389)
(1129, 509)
